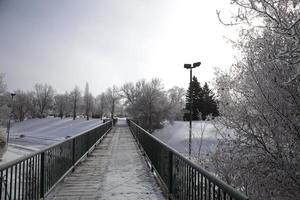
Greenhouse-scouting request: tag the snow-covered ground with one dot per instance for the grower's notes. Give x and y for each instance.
(15, 151)
(33, 134)
(42, 132)
(177, 136)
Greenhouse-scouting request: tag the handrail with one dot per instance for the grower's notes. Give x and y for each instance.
(35, 175)
(183, 178)
(12, 162)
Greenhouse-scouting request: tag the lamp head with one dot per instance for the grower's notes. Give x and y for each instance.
(197, 64)
(187, 66)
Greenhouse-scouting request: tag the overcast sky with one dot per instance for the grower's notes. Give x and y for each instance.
(70, 42)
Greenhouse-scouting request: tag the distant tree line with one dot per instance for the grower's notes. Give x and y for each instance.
(146, 102)
(42, 101)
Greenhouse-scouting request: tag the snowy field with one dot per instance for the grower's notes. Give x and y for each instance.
(31, 135)
(177, 136)
(34, 134)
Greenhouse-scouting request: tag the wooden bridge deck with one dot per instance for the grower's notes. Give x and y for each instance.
(114, 170)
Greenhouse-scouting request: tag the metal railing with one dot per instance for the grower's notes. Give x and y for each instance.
(33, 176)
(182, 178)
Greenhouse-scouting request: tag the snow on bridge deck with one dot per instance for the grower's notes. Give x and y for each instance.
(114, 170)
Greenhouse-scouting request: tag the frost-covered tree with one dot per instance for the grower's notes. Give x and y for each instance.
(176, 97)
(61, 104)
(260, 101)
(33, 107)
(147, 103)
(100, 105)
(44, 98)
(112, 98)
(4, 99)
(2, 84)
(88, 101)
(22, 105)
(4, 112)
(75, 98)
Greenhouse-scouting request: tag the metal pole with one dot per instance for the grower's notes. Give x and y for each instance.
(42, 175)
(191, 105)
(7, 130)
(12, 107)
(191, 66)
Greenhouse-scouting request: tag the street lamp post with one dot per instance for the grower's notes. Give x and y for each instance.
(12, 106)
(190, 66)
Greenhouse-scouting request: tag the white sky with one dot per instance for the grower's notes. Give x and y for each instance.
(69, 42)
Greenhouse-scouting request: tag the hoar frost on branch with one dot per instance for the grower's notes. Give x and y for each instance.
(260, 100)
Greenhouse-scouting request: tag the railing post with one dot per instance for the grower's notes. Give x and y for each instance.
(73, 154)
(42, 175)
(87, 143)
(171, 181)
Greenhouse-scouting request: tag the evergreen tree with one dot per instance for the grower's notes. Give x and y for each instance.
(196, 97)
(204, 102)
(209, 103)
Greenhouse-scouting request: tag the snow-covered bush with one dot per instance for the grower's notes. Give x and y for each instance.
(3, 145)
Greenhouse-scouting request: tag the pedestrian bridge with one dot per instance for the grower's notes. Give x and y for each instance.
(110, 162)
(114, 170)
